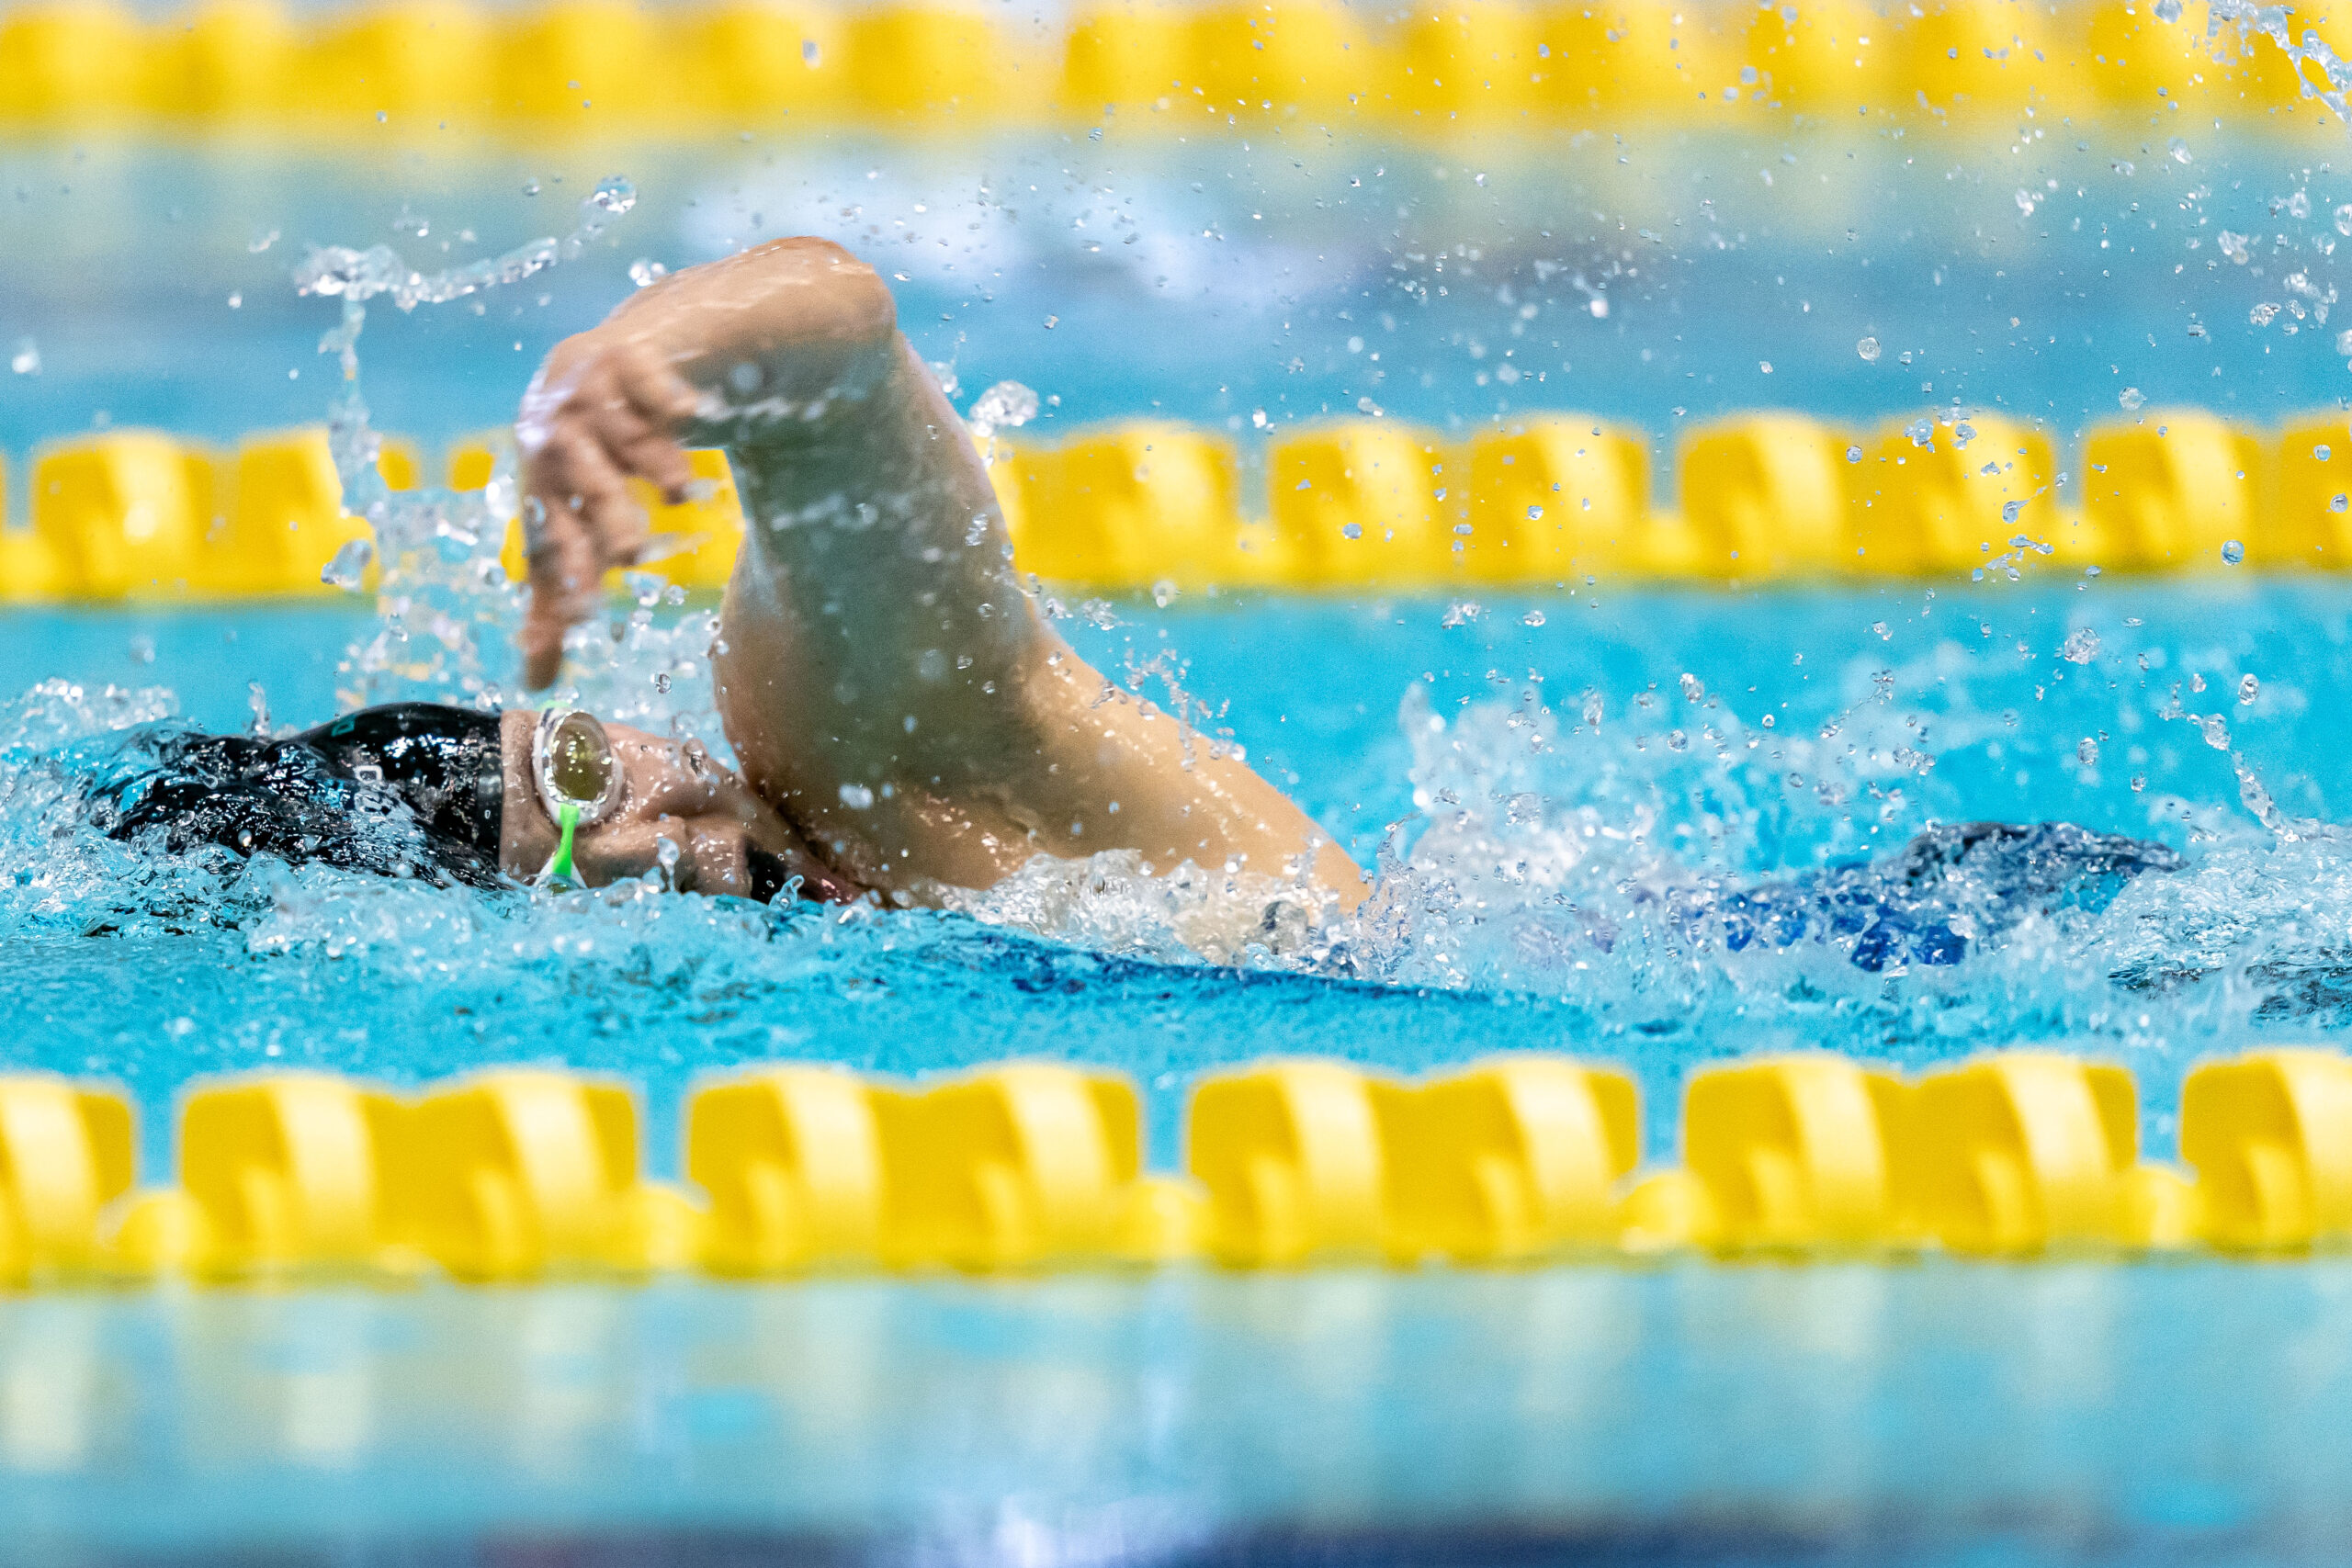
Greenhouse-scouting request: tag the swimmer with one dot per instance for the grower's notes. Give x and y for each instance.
(891, 691)
(907, 721)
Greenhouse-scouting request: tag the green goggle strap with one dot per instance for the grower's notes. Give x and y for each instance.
(566, 822)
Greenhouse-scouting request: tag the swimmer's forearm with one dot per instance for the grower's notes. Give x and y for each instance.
(784, 327)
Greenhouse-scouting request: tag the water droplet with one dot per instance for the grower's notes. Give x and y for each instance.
(1868, 349)
(1007, 405)
(2176, 147)
(2138, 783)
(1532, 618)
(531, 187)
(1676, 741)
(856, 797)
(1534, 514)
(1692, 690)
(2087, 752)
(1922, 432)
(643, 272)
(2232, 552)
(1853, 453)
(25, 361)
(2249, 688)
(2081, 646)
(1351, 530)
(614, 195)
(2131, 398)
(2009, 510)
(2217, 734)
(2168, 11)
(349, 566)
(2320, 453)
(810, 55)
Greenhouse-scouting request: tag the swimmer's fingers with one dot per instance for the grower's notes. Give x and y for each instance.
(581, 478)
(579, 520)
(638, 429)
(660, 401)
(564, 580)
(657, 458)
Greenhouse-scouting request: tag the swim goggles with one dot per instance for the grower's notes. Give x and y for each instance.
(579, 780)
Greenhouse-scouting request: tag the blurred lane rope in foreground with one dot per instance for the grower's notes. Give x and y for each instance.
(528, 1174)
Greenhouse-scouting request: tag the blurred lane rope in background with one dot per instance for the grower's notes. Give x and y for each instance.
(598, 67)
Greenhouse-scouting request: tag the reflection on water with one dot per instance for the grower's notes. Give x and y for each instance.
(1118, 1419)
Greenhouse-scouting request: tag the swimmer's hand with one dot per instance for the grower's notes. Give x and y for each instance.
(602, 410)
(681, 809)
(791, 335)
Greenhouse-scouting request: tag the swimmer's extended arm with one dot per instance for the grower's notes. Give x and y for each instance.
(882, 676)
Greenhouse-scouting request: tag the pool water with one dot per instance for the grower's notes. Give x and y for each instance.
(1532, 791)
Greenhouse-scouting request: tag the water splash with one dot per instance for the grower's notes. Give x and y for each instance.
(358, 276)
(446, 613)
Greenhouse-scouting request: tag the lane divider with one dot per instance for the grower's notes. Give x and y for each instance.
(529, 1174)
(1361, 505)
(602, 66)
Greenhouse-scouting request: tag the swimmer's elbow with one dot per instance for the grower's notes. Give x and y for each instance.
(858, 305)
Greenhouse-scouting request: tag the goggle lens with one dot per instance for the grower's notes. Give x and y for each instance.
(580, 760)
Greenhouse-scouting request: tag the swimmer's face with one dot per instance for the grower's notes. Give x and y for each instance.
(672, 807)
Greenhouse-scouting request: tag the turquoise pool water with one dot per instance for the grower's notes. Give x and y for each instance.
(1527, 851)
